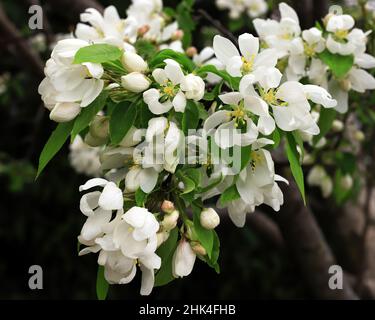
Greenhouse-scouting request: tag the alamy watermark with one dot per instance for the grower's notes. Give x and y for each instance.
(36, 279)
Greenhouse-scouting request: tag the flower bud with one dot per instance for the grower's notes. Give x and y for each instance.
(345, 85)
(167, 206)
(94, 142)
(183, 259)
(308, 159)
(194, 87)
(177, 35)
(99, 128)
(198, 249)
(135, 82)
(143, 30)
(359, 136)
(346, 182)
(162, 237)
(65, 111)
(209, 218)
(133, 62)
(191, 51)
(170, 220)
(337, 125)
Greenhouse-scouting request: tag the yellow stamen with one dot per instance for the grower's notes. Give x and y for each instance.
(248, 64)
(341, 34)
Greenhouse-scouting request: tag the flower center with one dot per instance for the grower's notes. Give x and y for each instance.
(238, 113)
(270, 97)
(341, 34)
(309, 49)
(248, 64)
(286, 36)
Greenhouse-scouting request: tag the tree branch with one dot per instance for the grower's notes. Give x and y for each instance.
(308, 246)
(30, 58)
(75, 7)
(265, 227)
(217, 24)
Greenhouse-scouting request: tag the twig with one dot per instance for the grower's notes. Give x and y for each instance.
(305, 239)
(50, 36)
(29, 56)
(263, 226)
(75, 7)
(217, 24)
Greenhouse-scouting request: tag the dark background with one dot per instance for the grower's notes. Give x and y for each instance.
(40, 221)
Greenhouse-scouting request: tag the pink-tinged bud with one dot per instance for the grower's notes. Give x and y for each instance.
(143, 30)
(177, 35)
(167, 206)
(198, 249)
(191, 51)
(183, 259)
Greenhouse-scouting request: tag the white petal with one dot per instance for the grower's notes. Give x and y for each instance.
(216, 119)
(224, 49)
(148, 179)
(147, 283)
(96, 182)
(231, 98)
(111, 197)
(249, 45)
(179, 102)
(89, 202)
(136, 216)
(173, 71)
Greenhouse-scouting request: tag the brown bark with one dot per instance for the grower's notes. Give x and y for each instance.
(75, 7)
(20, 46)
(308, 246)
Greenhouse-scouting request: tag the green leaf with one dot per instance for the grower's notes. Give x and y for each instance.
(295, 166)
(122, 119)
(54, 144)
(97, 53)
(212, 262)
(102, 285)
(189, 184)
(140, 197)
(195, 175)
(203, 114)
(144, 115)
(276, 137)
(205, 237)
(165, 252)
(182, 59)
(145, 48)
(326, 118)
(234, 83)
(190, 118)
(212, 185)
(298, 139)
(229, 194)
(88, 113)
(339, 65)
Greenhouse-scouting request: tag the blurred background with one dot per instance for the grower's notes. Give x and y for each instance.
(276, 256)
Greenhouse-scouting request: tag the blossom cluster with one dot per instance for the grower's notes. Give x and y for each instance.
(253, 8)
(332, 55)
(172, 129)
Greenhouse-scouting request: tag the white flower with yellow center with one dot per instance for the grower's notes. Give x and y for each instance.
(249, 61)
(174, 88)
